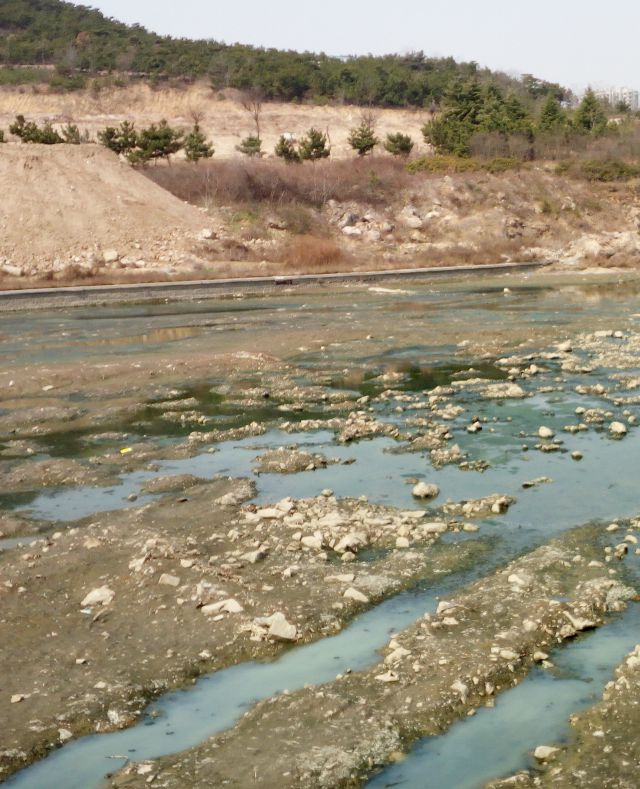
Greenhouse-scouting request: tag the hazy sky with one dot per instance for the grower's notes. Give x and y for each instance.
(575, 42)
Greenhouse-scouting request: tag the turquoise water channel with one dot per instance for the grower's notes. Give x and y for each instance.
(420, 331)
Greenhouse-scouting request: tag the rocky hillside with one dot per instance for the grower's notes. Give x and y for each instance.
(77, 212)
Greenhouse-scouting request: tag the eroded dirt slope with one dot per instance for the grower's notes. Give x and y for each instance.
(69, 203)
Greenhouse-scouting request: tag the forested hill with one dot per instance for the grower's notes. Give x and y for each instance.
(81, 42)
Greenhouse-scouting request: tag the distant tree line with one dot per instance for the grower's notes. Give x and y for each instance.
(81, 42)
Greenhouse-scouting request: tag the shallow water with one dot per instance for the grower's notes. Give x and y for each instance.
(497, 742)
(216, 701)
(416, 334)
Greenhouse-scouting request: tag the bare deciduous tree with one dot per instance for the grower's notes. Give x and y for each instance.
(252, 100)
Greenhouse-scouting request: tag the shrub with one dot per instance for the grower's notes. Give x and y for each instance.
(30, 132)
(71, 134)
(609, 170)
(307, 252)
(501, 164)
(398, 144)
(443, 164)
(459, 164)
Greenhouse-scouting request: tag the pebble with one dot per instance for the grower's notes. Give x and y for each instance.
(545, 432)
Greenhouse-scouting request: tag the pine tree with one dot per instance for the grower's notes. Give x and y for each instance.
(590, 117)
(363, 139)
(251, 146)
(313, 146)
(158, 141)
(196, 146)
(286, 149)
(552, 118)
(122, 140)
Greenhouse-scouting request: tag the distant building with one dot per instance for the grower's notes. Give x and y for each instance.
(616, 95)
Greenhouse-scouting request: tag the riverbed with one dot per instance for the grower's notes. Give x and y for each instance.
(185, 455)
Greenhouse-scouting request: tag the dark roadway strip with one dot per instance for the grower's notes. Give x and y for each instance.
(165, 289)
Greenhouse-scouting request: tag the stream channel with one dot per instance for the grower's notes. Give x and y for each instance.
(602, 486)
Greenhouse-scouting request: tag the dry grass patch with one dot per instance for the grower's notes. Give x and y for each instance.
(372, 181)
(310, 254)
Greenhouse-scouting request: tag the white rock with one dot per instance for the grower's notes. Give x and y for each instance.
(102, 595)
(618, 429)
(17, 698)
(433, 528)
(579, 622)
(169, 580)
(352, 542)
(544, 752)
(396, 656)
(545, 432)
(390, 676)
(355, 594)
(271, 513)
(229, 606)
(425, 490)
(110, 256)
(280, 629)
(459, 687)
(312, 541)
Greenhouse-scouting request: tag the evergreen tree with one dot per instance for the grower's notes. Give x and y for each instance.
(552, 118)
(122, 140)
(313, 146)
(590, 117)
(286, 149)
(464, 105)
(196, 146)
(398, 144)
(363, 139)
(251, 146)
(158, 141)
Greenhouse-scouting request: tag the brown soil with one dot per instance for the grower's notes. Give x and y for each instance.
(62, 202)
